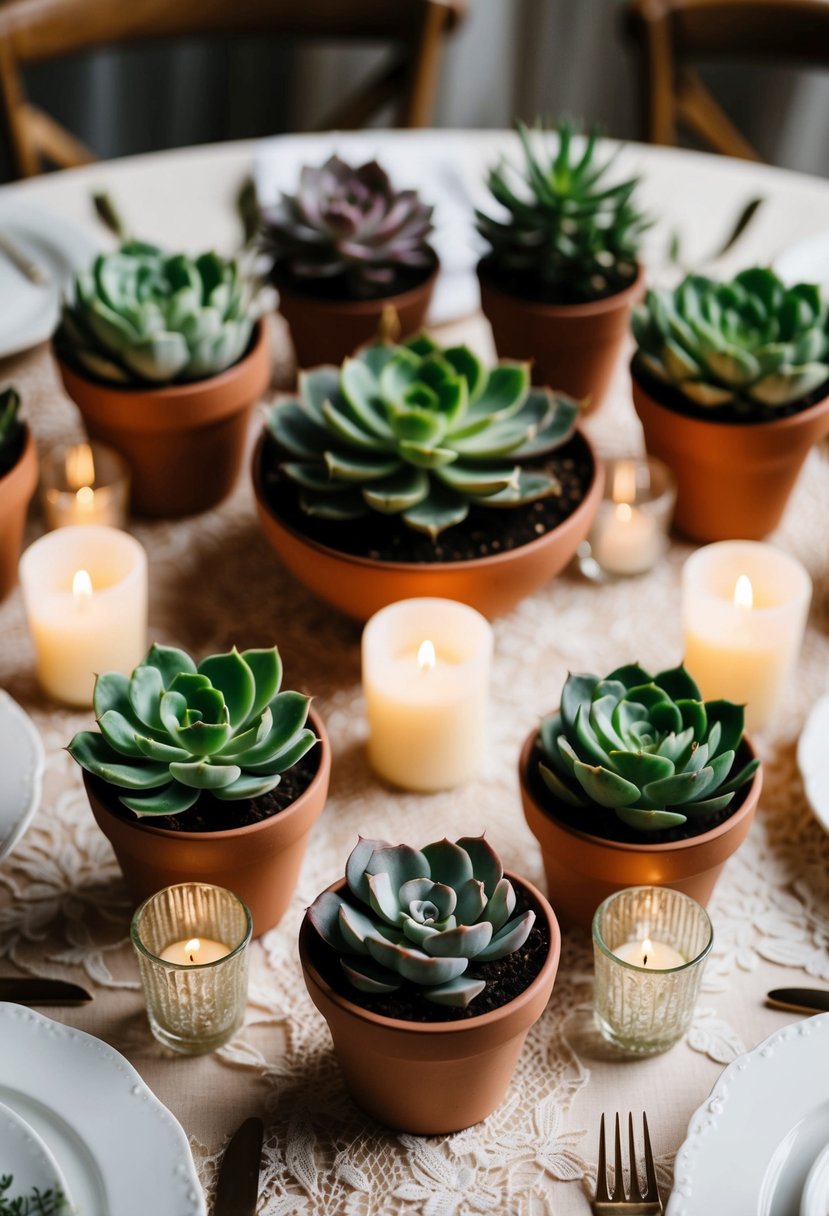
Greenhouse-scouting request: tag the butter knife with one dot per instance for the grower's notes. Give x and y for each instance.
(799, 1000)
(30, 990)
(238, 1186)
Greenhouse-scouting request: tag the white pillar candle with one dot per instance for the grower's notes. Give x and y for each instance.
(650, 954)
(744, 608)
(194, 952)
(85, 590)
(426, 681)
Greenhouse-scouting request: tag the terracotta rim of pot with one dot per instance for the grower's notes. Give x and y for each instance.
(174, 407)
(480, 1021)
(744, 810)
(20, 480)
(591, 308)
(577, 523)
(400, 300)
(291, 812)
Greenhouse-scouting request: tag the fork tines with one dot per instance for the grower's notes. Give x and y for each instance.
(645, 1201)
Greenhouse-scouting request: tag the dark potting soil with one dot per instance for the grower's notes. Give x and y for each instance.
(211, 814)
(602, 822)
(342, 287)
(506, 978)
(739, 414)
(527, 286)
(485, 532)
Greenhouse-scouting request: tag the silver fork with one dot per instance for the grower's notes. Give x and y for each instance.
(641, 1202)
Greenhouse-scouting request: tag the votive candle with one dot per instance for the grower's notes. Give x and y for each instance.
(86, 483)
(630, 530)
(426, 665)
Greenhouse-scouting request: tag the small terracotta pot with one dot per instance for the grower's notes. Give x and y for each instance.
(16, 489)
(431, 1078)
(360, 586)
(582, 869)
(184, 443)
(733, 481)
(259, 862)
(328, 331)
(574, 348)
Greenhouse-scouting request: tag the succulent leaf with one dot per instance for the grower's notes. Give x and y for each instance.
(11, 429)
(421, 915)
(174, 730)
(646, 747)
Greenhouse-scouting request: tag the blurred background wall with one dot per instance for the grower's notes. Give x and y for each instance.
(510, 57)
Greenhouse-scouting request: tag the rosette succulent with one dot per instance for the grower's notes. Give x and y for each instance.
(348, 224)
(646, 747)
(11, 428)
(421, 915)
(418, 431)
(172, 729)
(140, 315)
(565, 233)
(751, 343)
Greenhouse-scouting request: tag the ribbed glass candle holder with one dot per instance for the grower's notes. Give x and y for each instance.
(644, 1000)
(193, 1007)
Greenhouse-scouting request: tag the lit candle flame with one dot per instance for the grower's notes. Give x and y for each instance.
(192, 948)
(80, 467)
(647, 947)
(85, 498)
(426, 657)
(624, 482)
(743, 592)
(624, 512)
(81, 586)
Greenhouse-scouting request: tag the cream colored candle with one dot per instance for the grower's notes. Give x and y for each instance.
(630, 530)
(194, 952)
(84, 484)
(744, 608)
(426, 681)
(85, 590)
(649, 954)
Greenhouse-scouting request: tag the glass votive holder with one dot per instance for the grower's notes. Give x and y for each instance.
(630, 529)
(192, 946)
(649, 949)
(86, 483)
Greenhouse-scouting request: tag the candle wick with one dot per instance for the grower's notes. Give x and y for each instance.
(192, 959)
(646, 961)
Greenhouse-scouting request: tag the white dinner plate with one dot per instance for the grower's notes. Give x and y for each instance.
(752, 1143)
(813, 760)
(815, 1201)
(21, 764)
(28, 312)
(122, 1153)
(27, 1161)
(806, 261)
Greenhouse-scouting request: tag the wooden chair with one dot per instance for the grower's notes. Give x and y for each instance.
(674, 35)
(36, 31)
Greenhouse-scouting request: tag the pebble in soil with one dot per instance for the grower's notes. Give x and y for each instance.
(485, 532)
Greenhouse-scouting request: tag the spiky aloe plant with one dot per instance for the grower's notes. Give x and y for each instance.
(172, 729)
(140, 315)
(646, 747)
(348, 224)
(568, 235)
(418, 431)
(751, 343)
(11, 428)
(421, 915)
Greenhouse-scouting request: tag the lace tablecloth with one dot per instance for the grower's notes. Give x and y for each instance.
(214, 582)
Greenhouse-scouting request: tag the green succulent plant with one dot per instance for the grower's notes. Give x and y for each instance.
(646, 747)
(567, 234)
(140, 315)
(349, 224)
(421, 915)
(751, 342)
(172, 729)
(418, 431)
(11, 428)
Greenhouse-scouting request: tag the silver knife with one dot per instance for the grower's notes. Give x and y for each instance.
(238, 1187)
(18, 257)
(799, 1000)
(30, 990)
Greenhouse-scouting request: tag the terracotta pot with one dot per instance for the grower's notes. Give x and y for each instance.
(328, 331)
(184, 443)
(431, 1078)
(16, 489)
(259, 862)
(582, 869)
(733, 481)
(574, 347)
(360, 586)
